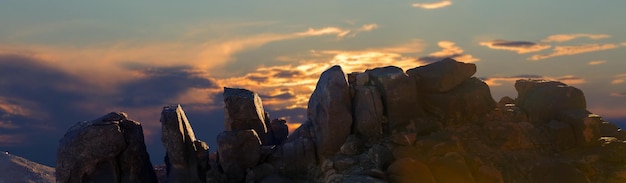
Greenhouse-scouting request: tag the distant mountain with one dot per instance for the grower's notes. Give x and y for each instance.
(17, 169)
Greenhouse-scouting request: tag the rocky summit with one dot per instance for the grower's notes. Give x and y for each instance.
(435, 124)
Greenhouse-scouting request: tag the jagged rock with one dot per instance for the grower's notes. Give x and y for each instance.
(561, 135)
(399, 96)
(352, 146)
(243, 110)
(469, 99)
(585, 126)
(381, 156)
(184, 151)
(238, 150)
(280, 130)
(329, 111)
(257, 173)
(294, 157)
(108, 149)
(368, 113)
(409, 170)
(441, 76)
(545, 100)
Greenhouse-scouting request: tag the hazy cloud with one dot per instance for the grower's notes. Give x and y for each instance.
(569, 37)
(574, 50)
(520, 47)
(567, 79)
(433, 5)
(597, 62)
(618, 79)
(622, 94)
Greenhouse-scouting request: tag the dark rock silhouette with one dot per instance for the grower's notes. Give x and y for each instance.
(329, 112)
(435, 123)
(238, 151)
(186, 157)
(243, 110)
(108, 149)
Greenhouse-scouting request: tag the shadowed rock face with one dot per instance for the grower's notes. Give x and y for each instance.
(186, 157)
(329, 112)
(108, 149)
(243, 110)
(436, 123)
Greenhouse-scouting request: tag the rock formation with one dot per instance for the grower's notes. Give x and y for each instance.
(435, 123)
(17, 169)
(108, 149)
(186, 157)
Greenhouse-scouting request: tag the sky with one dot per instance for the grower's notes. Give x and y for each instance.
(62, 62)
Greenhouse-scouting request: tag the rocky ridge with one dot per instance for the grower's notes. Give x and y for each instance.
(434, 123)
(17, 169)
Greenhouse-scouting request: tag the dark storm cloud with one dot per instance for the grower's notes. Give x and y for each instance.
(288, 73)
(46, 100)
(520, 47)
(160, 85)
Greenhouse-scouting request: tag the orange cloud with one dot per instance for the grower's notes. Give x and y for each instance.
(433, 5)
(451, 50)
(618, 79)
(520, 47)
(104, 64)
(597, 62)
(569, 37)
(574, 50)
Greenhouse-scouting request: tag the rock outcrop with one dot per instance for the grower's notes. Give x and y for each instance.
(186, 157)
(435, 123)
(243, 110)
(108, 149)
(329, 112)
(17, 169)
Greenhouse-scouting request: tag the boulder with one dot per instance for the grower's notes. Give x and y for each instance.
(184, 151)
(243, 110)
(368, 113)
(280, 130)
(294, 157)
(329, 111)
(399, 96)
(441, 76)
(470, 99)
(585, 126)
(108, 149)
(544, 100)
(238, 151)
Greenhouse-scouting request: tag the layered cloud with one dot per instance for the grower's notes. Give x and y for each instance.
(523, 47)
(569, 37)
(520, 47)
(433, 5)
(567, 79)
(574, 50)
(618, 79)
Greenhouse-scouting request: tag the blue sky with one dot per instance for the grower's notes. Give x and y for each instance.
(70, 61)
